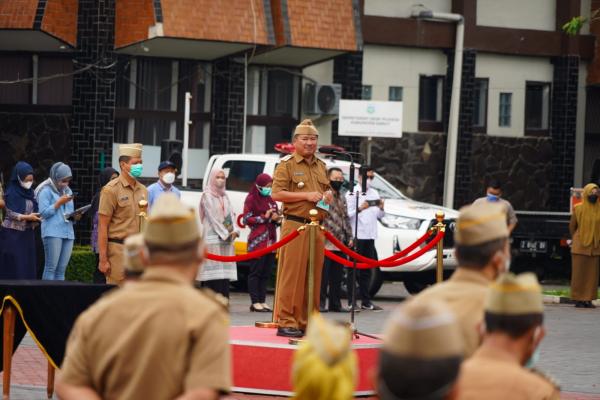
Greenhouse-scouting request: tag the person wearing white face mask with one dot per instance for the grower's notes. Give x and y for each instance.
(483, 253)
(17, 239)
(166, 178)
(216, 214)
(55, 200)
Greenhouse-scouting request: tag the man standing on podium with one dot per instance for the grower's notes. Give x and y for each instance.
(301, 184)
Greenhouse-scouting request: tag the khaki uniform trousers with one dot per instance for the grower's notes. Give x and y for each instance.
(292, 290)
(116, 258)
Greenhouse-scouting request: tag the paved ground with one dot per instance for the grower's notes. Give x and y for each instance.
(570, 352)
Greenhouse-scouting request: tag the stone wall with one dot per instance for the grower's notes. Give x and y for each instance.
(39, 139)
(414, 164)
(523, 165)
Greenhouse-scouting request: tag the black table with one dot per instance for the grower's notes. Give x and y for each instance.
(48, 310)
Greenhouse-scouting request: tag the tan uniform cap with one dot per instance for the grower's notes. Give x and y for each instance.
(331, 342)
(132, 247)
(131, 150)
(480, 223)
(171, 223)
(515, 295)
(423, 330)
(306, 127)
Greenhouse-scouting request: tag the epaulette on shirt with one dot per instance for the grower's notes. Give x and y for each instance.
(550, 379)
(287, 158)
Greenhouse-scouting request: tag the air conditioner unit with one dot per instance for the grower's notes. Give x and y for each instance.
(322, 99)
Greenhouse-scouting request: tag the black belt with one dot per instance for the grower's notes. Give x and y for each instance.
(299, 219)
(113, 240)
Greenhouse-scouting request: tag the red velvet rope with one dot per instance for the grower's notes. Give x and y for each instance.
(386, 264)
(349, 252)
(254, 254)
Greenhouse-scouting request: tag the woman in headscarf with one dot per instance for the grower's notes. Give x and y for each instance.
(55, 200)
(17, 240)
(585, 248)
(262, 216)
(217, 219)
(106, 175)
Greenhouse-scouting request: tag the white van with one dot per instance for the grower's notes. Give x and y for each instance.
(404, 222)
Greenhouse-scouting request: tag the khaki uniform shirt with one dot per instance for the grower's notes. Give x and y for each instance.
(120, 201)
(295, 174)
(511, 215)
(154, 339)
(464, 293)
(494, 375)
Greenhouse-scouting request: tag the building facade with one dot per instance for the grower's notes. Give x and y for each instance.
(80, 77)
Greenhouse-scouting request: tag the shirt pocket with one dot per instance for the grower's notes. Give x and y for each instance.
(300, 183)
(125, 205)
(323, 182)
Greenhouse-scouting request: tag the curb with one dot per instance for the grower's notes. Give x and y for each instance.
(549, 299)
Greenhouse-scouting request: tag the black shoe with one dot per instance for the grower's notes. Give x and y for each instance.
(588, 304)
(289, 332)
(254, 309)
(356, 308)
(579, 304)
(371, 306)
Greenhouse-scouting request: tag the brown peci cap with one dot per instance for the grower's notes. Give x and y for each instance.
(171, 223)
(131, 150)
(306, 127)
(423, 330)
(480, 223)
(512, 295)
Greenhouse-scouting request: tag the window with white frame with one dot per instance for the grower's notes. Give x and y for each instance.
(480, 99)
(395, 93)
(35, 79)
(367, 92)
(150, 101)
(505, 110)
(273, 107)
(537, 107)
(431, 90)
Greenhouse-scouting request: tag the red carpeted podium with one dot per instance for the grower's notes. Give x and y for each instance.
(262, 361)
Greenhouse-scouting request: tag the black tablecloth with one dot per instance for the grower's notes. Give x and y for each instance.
(50, 309)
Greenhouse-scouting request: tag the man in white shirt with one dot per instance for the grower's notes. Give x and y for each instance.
(370, 209)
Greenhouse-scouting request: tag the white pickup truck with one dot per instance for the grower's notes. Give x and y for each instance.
(404, 222)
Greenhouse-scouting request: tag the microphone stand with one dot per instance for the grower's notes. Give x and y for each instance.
(355, 332)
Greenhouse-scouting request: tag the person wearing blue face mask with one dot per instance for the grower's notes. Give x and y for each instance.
(17, 239)
(493, 194)
(502, 367)
(55, 200)
(118, 212)
(262, 216)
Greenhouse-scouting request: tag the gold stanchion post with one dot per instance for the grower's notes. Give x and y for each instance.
(440, 227)
(143, 215)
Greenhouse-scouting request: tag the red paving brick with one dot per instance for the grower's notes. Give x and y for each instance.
(30, 368)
